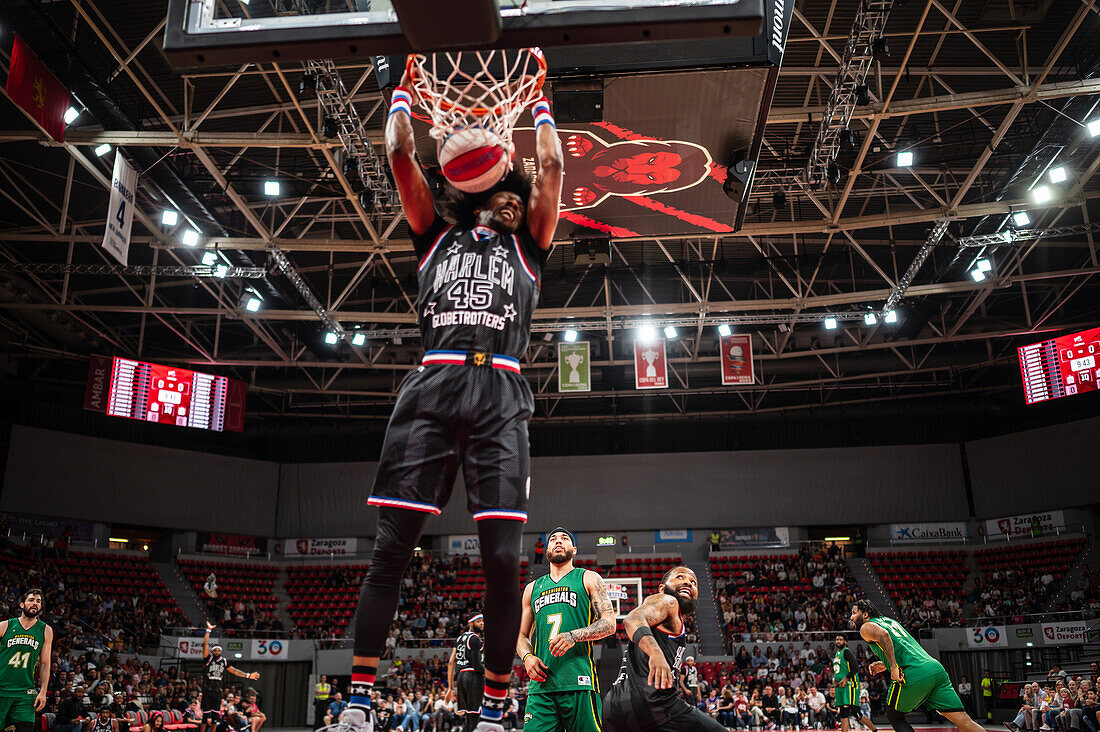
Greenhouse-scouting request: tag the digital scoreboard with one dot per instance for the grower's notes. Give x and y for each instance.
(151, 392)
(1061, 367)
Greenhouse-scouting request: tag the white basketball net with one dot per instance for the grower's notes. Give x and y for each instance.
(488, 89)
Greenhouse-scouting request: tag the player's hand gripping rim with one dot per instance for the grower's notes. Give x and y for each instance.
(536, 669)
(660, 674)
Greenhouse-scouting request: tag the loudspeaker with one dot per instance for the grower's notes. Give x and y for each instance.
(592, 251)
(388, 71)
(578, 105)
(739, 179)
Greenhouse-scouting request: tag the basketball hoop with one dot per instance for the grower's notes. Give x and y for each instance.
(488, 89)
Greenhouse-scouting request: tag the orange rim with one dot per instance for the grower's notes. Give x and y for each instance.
(412, 68)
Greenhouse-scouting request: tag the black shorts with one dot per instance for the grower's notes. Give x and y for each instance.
(470, 688)
(450, 415)
(624, 711)
(849, 711)
(211, 716)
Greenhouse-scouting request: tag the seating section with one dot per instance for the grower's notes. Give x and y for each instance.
(926, 586)
(753, 593)
(248, 583)
(111, 576)
(173, 720)
(322, 594)
(1037, 558)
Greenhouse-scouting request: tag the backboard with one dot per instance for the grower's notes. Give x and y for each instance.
(625, 594)
(214, 33)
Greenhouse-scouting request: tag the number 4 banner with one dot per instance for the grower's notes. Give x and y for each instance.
(120, 212)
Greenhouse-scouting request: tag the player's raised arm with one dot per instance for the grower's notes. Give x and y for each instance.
(536, 669)
(605, 621)
(206, 641)
(412, 186)
(542, 210)
(638, 623)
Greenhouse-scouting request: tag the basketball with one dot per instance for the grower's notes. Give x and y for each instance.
(474, 159)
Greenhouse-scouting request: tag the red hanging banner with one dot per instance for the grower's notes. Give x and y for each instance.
(737, 360)
(34, 88)
(650, 368)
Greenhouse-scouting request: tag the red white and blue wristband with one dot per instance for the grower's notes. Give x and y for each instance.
(401, 102)
(541, 112)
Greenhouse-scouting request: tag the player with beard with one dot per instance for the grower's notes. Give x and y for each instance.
(916, 679)
(26, 641)
(466, 405)
(466, 672)
(562, 613)
(644, 698)
(214, 670)
(846, 678)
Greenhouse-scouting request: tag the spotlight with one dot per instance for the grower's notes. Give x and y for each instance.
(208, 258)
(190, 238)
(863, 95)
(1042, 194)
(670, 332)
(1094, 128)
(984, 265)
(570, 336)
(779, 199)
(1020, 218)
(724, 330)
(307, 86)
(1057, 175)
(102, 150)
(328, 127)
(331, 338)
(647, 334)
(905, 159)
(253, 304)
(977, 275)
(358, 339)
(1008, 236)
(870, 319)
(169, 218)
(271, 187)
(880, 49)
(71, 114)
(891, 316)
(849, 139)
(832, 173)
(830, 323)
(221, 271)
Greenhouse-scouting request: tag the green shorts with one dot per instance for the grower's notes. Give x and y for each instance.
(563, 711)
(934, 692)
(17, 709)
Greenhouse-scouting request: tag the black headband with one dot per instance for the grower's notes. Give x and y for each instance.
(563, 530)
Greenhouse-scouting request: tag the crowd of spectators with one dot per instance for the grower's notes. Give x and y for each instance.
(1012, 593)
(83, 617)
(779, 598)
(929, 610)
(1064, 702)
(1084, 594)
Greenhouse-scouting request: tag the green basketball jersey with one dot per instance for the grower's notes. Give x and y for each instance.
(847, 693)
(560, 607)
(911, 657)
(19, 656)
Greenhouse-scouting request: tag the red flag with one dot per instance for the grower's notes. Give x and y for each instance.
(737, 360)
(34, 88)
(650, 368)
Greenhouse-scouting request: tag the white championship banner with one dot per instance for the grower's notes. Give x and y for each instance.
(120, 210)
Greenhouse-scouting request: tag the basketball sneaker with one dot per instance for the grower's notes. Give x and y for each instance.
(352, 719)
(485, 726)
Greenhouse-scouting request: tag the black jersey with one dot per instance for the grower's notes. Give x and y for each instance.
(468, 653)
(213, 674)
(632, 696)
(101, 726)
(478, 288)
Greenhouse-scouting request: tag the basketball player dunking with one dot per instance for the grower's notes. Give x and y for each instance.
(643, 697)
(467, 404)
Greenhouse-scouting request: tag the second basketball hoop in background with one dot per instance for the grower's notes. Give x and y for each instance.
(474, 159)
